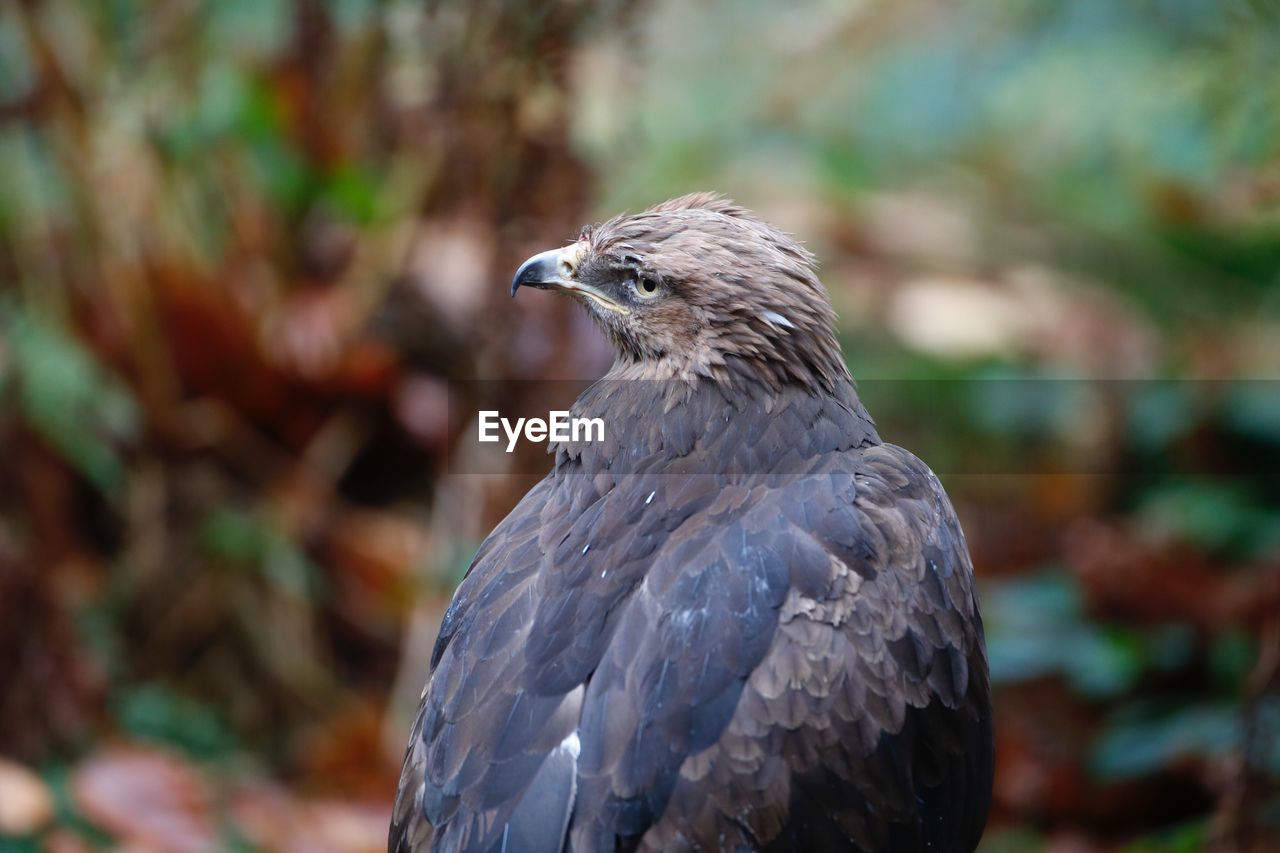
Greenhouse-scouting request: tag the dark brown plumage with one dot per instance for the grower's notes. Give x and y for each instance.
(741, 622)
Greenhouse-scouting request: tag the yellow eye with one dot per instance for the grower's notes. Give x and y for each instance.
(646, 286)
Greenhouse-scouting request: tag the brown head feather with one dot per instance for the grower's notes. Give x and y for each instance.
(710, 290)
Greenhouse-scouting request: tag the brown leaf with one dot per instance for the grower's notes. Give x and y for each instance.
(1127, 576)
(375, 550)
(64, 841)
(345, 755)
(146, 797)
(272, 818)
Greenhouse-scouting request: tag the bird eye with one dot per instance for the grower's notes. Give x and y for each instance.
(646, 286)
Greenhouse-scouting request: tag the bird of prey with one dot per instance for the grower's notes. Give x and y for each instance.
(741, 621)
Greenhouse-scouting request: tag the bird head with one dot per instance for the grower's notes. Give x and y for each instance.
(698, 287)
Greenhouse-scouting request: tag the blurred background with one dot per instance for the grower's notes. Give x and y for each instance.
(248, 249)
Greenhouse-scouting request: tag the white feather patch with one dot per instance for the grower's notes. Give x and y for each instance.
(776, 319)
(572, 744)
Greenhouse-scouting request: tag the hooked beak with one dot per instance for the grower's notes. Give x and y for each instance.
(555, 270)
(542, 271)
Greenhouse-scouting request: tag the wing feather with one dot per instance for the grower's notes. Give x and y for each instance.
(684, 661)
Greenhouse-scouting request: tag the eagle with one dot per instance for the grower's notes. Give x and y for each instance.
(741, 621)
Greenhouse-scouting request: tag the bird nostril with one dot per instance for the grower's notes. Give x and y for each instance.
(567, 267)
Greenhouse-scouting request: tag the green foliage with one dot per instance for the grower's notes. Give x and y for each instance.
(1075, 117)
(1160, 413)
(154, 712)
(68, 397)
(1191, 837)
(1253, 408)
(251, 541)
(1219, 517)
(248, 29)
(1232, 654)
(1144, 738)
(1035, 628)
(1020, 839)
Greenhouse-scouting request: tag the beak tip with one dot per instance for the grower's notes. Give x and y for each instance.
(538, 271)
